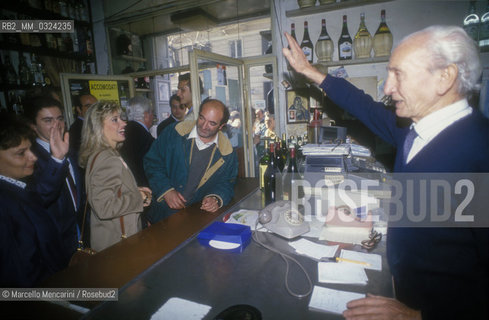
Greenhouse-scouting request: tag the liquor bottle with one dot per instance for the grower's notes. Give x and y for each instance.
(382, 38)
(484, 30)
(46, 79)
(306, 44)
(24, 76)
(290, 175)
(11, 74)
(270, 176)
(345, 42)
(362, 44)
(262, 167)
(471, 22)
(292, 34)
(279, 161)
(36, 73)
(324, 45)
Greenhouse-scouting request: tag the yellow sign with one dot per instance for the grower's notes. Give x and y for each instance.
(104, 90)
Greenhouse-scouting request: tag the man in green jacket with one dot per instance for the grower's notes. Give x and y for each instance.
(192, 161)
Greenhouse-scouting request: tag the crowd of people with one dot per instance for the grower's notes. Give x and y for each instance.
(46, 183)
(108, 166)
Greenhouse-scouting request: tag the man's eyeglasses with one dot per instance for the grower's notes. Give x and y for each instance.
(374, 239)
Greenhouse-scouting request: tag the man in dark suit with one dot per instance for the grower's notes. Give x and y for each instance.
(430, 75)
(81, 102)
(178, 111)
(138, 138)
(56, 175)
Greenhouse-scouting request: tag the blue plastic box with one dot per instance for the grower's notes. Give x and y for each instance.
(229, 237)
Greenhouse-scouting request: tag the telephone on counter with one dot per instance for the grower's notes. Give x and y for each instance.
(280, 218)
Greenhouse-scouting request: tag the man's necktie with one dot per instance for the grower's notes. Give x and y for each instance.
(72, 187)
(408, 143)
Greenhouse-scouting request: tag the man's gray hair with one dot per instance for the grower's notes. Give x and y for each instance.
(137, 106)
(452, 45)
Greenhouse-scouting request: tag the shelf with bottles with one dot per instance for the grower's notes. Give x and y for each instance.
(77, 10)
(330, 7)
(43, 51)
(362, 48)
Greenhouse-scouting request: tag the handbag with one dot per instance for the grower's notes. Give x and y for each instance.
(82, 252)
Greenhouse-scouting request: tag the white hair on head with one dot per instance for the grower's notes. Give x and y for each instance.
(452, 45)
(137, 106)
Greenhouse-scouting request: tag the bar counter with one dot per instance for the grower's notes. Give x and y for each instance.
(119, 264)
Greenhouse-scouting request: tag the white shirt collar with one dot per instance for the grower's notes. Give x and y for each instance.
(18, 183)
(201, 145)
(430, 126)
(44, 144)
(433, 124)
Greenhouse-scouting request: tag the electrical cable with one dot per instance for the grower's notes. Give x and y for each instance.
(284, 257)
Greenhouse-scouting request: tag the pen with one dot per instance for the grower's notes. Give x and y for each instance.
(353, 261)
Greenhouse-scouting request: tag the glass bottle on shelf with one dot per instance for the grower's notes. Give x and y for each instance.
(345, 42)
(306, 44)
(290, 175)
(270, 177)
(382, 38)
(36, 72)
(324, 45)
(279, 161)
(362, 44)
(292, 34)
(471, 22)
(484, 30)
(262, 166)
(24, 76)
(11, 74)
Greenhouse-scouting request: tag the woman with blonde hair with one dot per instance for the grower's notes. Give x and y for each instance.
(114, 197)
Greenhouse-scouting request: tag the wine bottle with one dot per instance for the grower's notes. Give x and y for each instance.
(23, 70)
(345, 42)
(290, 175)
(11, 74)
(270, 177)
(382, 38)
(484, 30)
(292, 34)
(263, 164)
(324, 45)
(279, 161)
(362, 45)
(471, 22)
(306, 44)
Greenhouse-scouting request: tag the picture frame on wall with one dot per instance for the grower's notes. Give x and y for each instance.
(297, 106)
(163, 91)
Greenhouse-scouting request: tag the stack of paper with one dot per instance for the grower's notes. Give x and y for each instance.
(329, 300)
(313, 250)
(331, 272)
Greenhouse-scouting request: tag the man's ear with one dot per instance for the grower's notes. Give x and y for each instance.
(448, 79)
(78, 110)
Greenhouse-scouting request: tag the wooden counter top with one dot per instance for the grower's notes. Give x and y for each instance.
(118, 264)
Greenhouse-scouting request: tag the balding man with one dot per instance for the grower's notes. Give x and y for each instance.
(192, 161)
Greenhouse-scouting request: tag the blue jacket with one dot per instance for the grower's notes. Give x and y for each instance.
(50, 182)
(30, 244)
(167, 164)
(444, 272)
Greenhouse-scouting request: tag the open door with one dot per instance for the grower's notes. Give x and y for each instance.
(230, 80)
